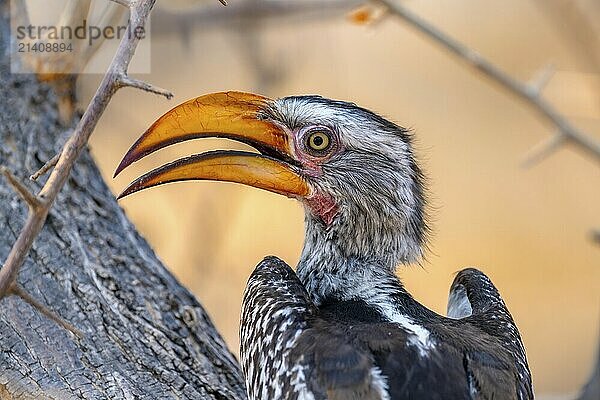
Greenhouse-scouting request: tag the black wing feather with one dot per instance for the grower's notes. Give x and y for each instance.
(346, 350)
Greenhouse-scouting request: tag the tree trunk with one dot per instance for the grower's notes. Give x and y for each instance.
(145, 336)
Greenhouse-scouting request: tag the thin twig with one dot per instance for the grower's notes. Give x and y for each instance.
(541, 79)
(45, 168)
(529, 95)
(166, 22)
(125, 80)
(73, 147)
(18, 291)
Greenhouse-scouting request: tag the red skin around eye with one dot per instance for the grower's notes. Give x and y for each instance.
(321, 204)
(312, 164)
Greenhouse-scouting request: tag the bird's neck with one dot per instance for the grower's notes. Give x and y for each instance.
(356, 254)
(329, 271)
(346, 281)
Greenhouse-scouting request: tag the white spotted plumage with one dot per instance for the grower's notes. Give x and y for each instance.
(273, 317)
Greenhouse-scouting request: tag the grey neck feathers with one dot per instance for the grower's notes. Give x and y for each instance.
(352, 259)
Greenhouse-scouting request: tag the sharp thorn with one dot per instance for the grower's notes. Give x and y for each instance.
(125, 80)
(543, 150)
(31, 199)
(540, 80)
(45, 168)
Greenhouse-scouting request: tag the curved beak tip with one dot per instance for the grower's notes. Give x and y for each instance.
(132, 188)
(232, 115)
(122, 165)
(132, 155)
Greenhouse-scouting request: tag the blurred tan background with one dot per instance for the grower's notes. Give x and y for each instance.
(529, 229)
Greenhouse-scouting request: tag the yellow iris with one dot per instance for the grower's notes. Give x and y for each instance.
(318, 141)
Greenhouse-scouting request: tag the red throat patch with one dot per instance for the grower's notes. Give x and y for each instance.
(323, 206)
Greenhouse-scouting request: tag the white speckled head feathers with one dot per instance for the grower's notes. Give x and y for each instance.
(375, 183)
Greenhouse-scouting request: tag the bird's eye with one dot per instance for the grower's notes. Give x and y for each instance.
(318, 142)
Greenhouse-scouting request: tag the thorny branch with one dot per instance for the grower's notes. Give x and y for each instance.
(171, 21)
(40, 204)
(530, 93)
(248, 17)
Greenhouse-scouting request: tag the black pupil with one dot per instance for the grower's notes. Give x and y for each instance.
(318, 140)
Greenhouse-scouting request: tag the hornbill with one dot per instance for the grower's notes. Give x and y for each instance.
(342, 326)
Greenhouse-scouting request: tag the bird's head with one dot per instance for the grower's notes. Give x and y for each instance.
(353, 170)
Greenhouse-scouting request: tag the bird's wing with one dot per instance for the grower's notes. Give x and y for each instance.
(464, 363)
(288, 351)
(489, 377)
(377, 361)
(292, 350)
(476, 302)
(353, 352)
(471, 357)
(275, 311)
(338, 368)
(411, 374)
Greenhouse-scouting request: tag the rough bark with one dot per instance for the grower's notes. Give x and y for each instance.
(145, 336)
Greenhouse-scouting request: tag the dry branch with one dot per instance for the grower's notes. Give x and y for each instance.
(126, 81)
(175, 22)
(529, 93)
(31, 199)
(40, 204)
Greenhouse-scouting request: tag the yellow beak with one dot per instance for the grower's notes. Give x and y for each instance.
(231, 115)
